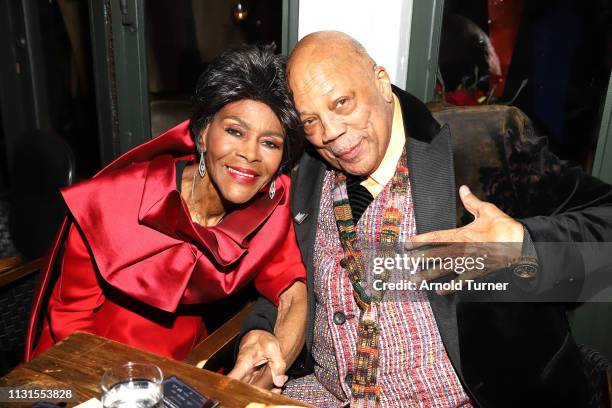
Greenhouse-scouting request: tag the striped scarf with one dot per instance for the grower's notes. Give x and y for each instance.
(364, 384)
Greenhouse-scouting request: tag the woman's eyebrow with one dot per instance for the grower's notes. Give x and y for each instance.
(245, 124)
(273, 133)
(240, 120)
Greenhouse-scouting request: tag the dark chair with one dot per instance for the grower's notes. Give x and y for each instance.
(216, 352)
(481, 136)
(43, 163)
(17, 285)
(599, 370)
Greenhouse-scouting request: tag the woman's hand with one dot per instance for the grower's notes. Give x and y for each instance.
(263, 357)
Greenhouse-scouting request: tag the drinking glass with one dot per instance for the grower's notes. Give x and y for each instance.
(136, 385)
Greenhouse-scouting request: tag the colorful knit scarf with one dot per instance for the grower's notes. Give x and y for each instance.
(364, 383)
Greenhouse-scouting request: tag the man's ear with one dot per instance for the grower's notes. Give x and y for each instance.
(384, 83)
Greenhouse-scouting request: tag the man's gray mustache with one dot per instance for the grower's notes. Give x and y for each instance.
(345, 147)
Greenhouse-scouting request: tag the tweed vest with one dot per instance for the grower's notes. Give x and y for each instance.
(414, 368)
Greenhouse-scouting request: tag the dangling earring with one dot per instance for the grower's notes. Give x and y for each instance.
(202, 165)
(272, 189)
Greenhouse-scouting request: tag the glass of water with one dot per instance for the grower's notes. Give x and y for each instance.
(132, 385)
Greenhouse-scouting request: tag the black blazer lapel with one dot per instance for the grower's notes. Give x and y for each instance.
(432, 181)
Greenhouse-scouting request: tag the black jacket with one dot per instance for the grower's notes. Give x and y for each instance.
(505, 354)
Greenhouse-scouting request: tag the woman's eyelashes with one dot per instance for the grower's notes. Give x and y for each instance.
(233, 131)
(270, 144)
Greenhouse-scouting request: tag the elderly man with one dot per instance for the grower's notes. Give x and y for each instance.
(379, 168)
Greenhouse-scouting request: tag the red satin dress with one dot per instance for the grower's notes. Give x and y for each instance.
(135, 267)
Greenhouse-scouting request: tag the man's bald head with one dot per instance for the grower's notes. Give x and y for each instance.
(344, 100)
(322, 45)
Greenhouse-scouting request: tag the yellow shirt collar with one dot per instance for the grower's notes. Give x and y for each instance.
(384, 173)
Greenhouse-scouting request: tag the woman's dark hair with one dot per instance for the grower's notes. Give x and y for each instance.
(248, 72)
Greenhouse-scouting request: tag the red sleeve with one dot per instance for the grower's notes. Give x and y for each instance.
(282, 270)
(76, 294)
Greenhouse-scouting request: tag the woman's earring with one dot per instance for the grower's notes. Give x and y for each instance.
(272, 189)
(202, 165)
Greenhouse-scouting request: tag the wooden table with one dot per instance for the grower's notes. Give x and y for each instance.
(79, 361)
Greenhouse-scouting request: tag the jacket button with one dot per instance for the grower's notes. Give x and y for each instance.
(339, 318)
(343, 263)
(348, 379)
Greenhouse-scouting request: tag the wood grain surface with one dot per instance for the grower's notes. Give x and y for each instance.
(79, 361)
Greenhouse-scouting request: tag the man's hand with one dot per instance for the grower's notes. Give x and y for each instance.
(490, 226)
(263, 357)
(260, 361)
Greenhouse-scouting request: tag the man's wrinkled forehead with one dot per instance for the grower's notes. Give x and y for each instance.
(322, 75)
(325, 72)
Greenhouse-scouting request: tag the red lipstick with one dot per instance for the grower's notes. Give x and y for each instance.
(241, 174)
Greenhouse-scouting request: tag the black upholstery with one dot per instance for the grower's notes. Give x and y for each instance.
(42, 164)
(15, 304)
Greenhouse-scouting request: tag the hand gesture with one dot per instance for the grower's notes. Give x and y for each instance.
(492, 232)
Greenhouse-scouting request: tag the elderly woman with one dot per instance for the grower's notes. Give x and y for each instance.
(185, 219)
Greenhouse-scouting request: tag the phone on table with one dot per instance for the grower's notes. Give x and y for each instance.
(177, 394)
